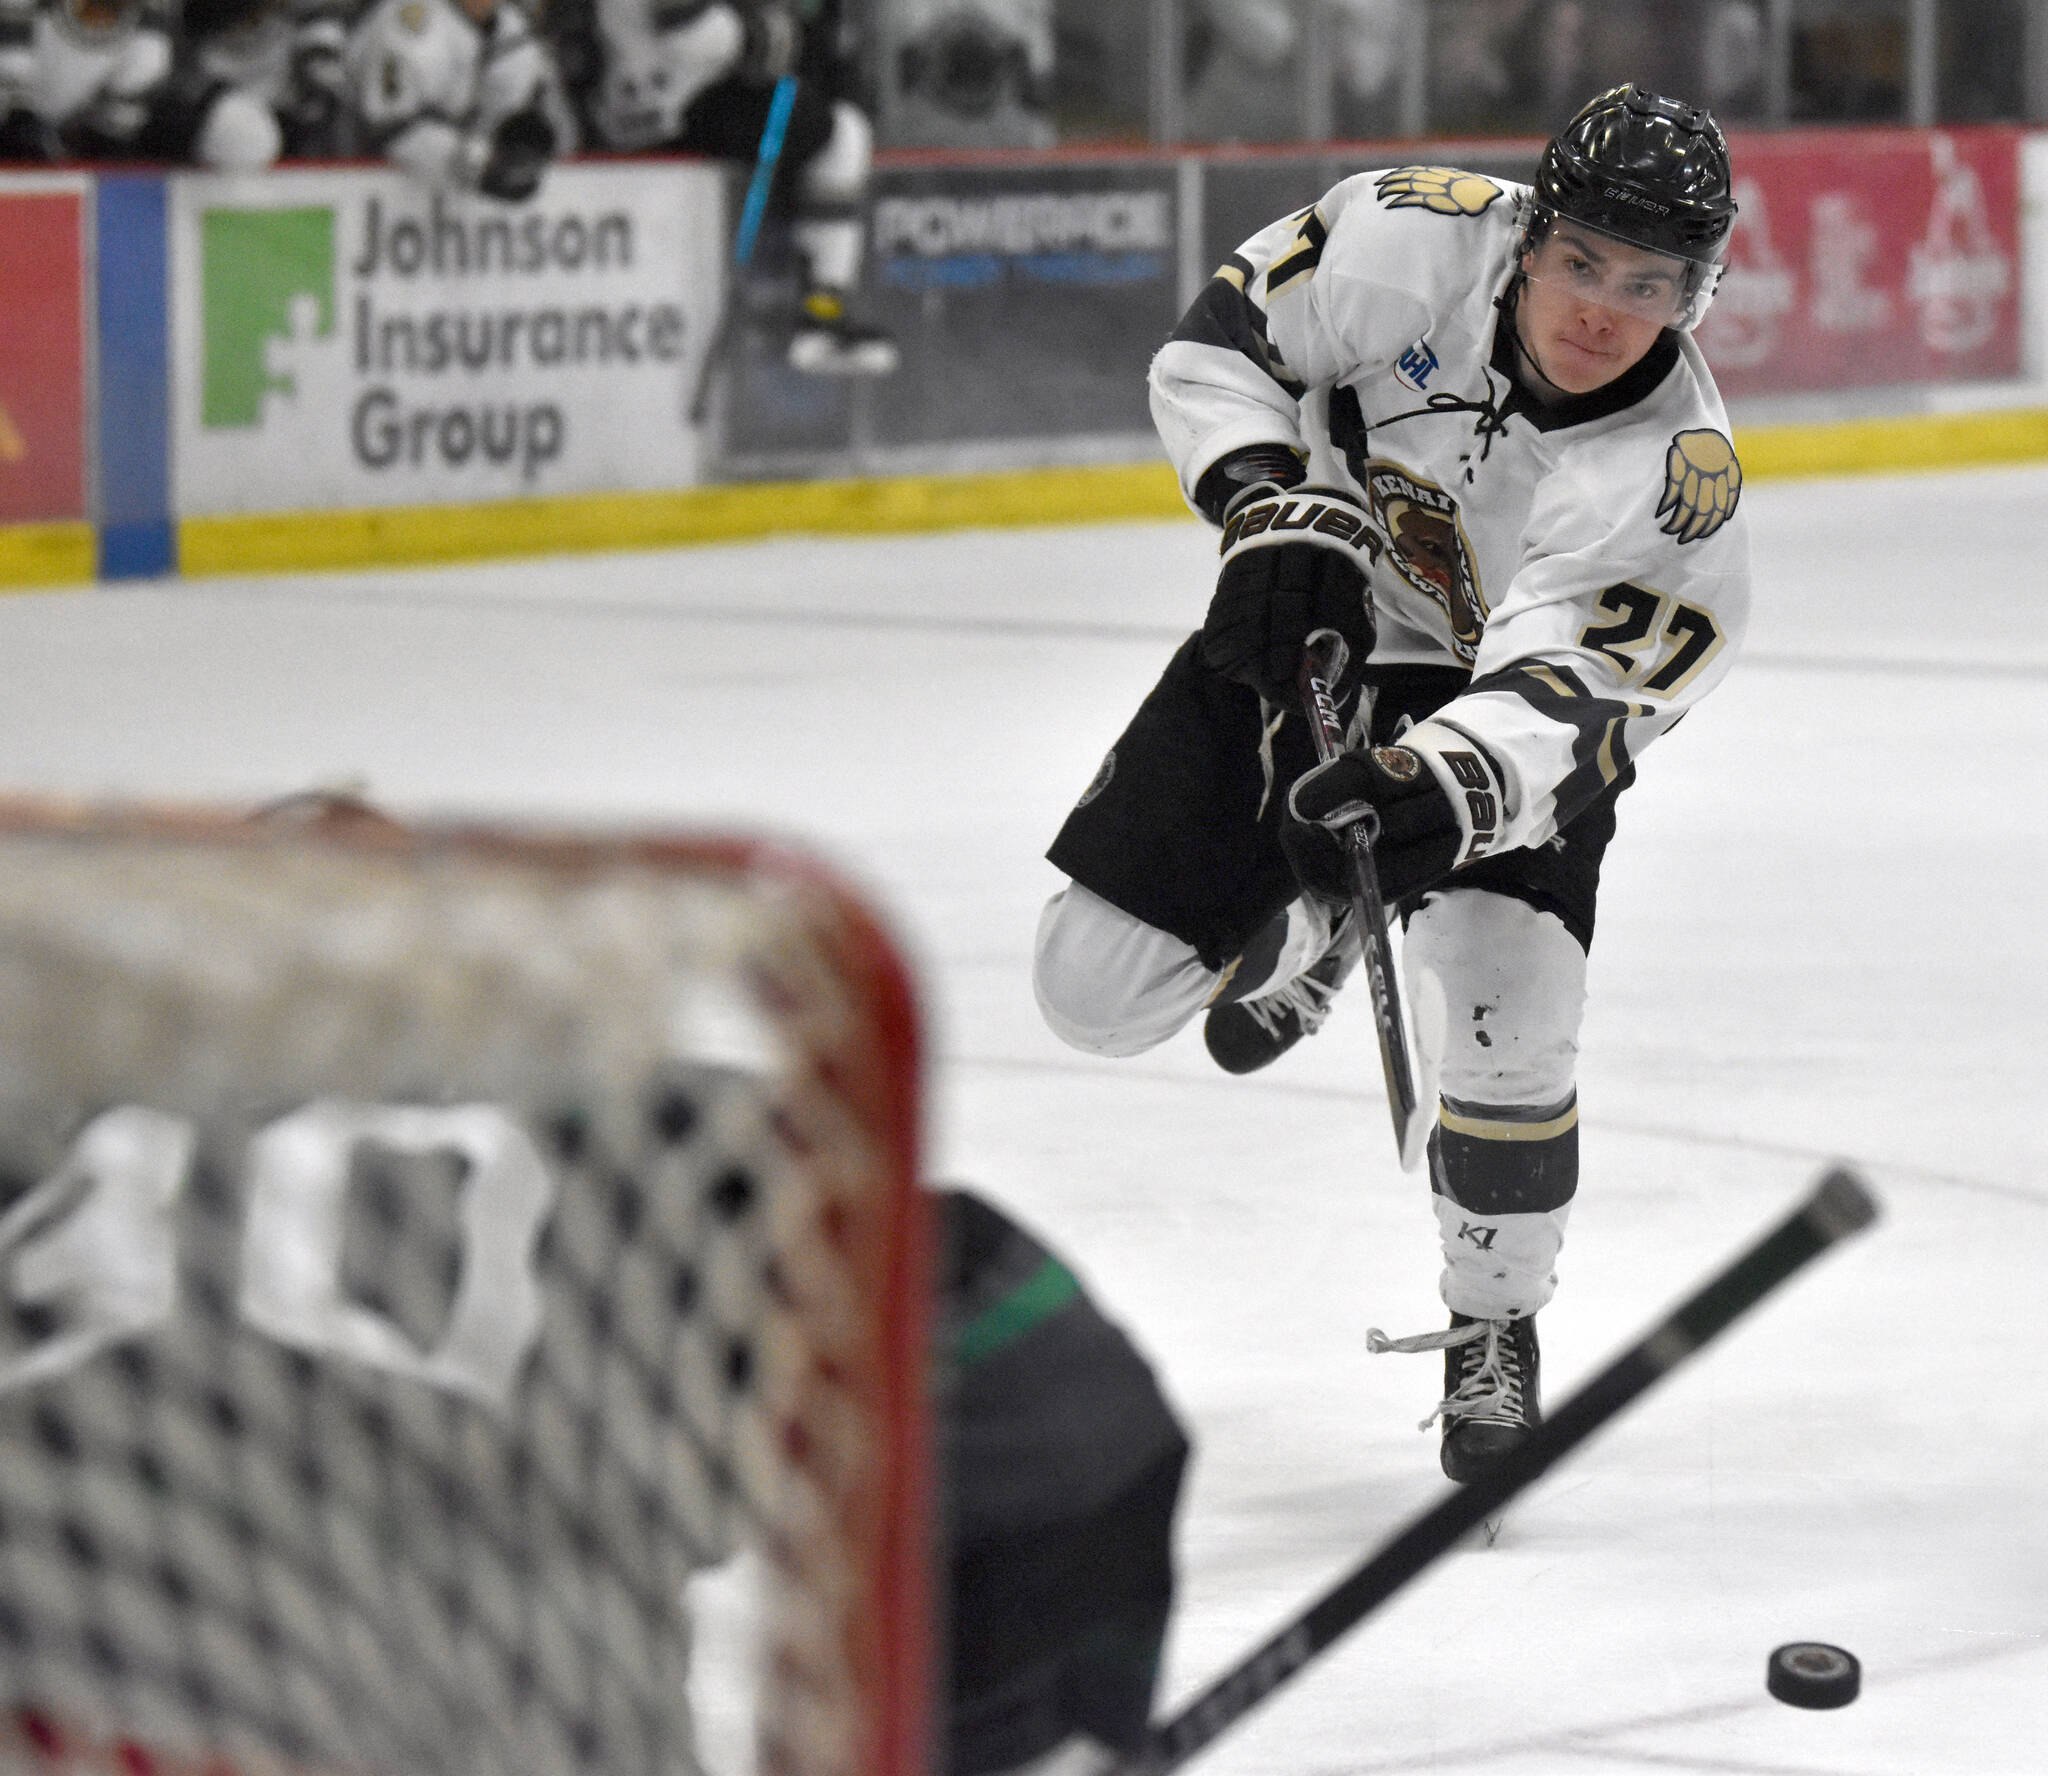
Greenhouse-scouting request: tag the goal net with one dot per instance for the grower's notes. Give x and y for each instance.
(420, 1253)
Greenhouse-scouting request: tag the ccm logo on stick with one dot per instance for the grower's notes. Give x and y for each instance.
(1339, 522)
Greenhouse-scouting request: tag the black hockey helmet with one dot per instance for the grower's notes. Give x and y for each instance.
(1647, 170)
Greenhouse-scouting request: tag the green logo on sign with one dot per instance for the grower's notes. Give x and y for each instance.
(255, 265)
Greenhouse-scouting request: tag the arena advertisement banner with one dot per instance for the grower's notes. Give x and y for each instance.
(1029, 298)
(1869, 257)
(44, 474)
(346, 338)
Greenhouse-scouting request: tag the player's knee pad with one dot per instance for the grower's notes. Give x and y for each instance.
(1109, 983)
(1504, 1158)
(838, 172)
(1514, 986)
(240, 134)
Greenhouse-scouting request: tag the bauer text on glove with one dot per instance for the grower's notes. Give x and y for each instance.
(1293, 562)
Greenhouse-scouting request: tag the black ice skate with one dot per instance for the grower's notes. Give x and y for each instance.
(1243, 1035)
(1491, 1399)
(827, 341)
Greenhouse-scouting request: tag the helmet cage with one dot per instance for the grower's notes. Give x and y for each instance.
(1698, 278)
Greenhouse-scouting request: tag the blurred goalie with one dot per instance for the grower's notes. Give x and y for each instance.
(1062, 1463)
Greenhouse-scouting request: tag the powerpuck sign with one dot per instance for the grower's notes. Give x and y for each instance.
(1029, 299)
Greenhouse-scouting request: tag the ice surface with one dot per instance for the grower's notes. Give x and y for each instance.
(1821, 936)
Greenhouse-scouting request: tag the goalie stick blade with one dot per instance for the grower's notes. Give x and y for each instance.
(1839, 1205)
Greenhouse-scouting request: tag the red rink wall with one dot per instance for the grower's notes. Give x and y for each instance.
(1888, 268)
(42, 357)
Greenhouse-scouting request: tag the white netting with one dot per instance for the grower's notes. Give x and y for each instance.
(415, 1260)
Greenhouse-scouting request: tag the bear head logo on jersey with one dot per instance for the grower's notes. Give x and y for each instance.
(1427, 547)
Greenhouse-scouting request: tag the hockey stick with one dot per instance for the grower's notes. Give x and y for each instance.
(1322, 664)
(1839, 1205)
(780, 104)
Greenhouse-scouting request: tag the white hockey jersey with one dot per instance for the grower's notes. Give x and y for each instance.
(430, 85)
(1586, 560)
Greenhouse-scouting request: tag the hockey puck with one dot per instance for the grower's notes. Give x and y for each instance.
(1812, 1674)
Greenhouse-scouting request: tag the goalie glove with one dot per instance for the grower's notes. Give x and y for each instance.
(1432, 803)
(1293, 562)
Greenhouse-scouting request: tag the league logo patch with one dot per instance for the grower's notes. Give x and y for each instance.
(1412, 368)
(1443, 191)
(1428, 548)
(1702, 483)
(1398, 763)
(1101, 779)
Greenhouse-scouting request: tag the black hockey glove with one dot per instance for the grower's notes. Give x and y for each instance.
(520, 149)
(1293, 562)
(1418, 835)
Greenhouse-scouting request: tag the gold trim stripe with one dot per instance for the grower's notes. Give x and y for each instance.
(1930, 441)
(1486, 1129)
(63, 554)
(284, 541)
(36, 557)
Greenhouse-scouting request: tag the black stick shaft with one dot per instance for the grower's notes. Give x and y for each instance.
(1321, 663)
(1839, 1205)
(766, 158)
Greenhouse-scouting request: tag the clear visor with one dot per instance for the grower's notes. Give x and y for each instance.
(1597, 269)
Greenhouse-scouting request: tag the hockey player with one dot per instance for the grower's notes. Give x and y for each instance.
(698, 77)
(460, 93)
(1464, 425)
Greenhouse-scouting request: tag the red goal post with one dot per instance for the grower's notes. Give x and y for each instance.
(421, 1249)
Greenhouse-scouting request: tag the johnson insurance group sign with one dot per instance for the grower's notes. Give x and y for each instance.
(346, 338)
(1866, 257)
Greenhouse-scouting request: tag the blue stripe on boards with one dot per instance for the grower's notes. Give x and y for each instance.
(137, 539)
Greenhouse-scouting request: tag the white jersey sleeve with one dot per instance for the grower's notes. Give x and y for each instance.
(1304, 304)
(1585, 559)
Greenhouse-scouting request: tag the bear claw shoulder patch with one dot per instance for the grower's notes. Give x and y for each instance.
(1443, 191)
(1702, 484)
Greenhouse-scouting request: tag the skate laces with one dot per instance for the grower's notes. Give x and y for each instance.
(1489, 1384)
(1306, 999)
(1308, 996)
